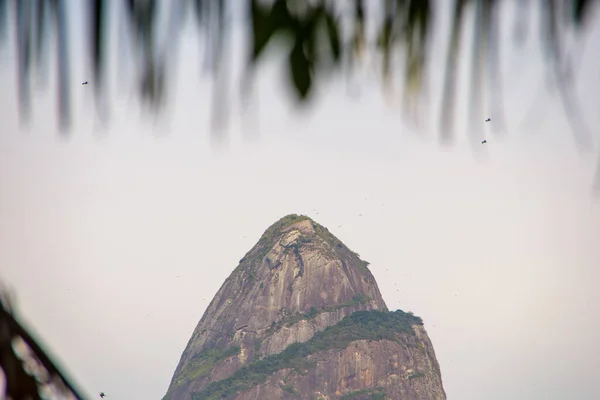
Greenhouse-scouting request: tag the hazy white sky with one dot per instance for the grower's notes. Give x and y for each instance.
(116, 241)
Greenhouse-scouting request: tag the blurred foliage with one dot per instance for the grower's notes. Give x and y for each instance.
(28, 370)
(326, 36)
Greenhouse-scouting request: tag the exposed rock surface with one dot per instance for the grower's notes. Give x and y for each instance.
(295, 287)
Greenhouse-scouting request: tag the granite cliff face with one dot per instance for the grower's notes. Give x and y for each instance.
(301, 317)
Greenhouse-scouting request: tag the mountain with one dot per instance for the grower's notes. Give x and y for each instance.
(301, 317)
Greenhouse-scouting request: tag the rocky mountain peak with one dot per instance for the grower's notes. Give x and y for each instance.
(296, 282)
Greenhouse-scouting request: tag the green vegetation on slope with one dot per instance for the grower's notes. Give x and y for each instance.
(371, 394)
(417, 374)
(337, 246)
(361, 325)
(359, 298)
(203, 363)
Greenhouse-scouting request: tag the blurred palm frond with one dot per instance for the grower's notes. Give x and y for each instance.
(319, 44)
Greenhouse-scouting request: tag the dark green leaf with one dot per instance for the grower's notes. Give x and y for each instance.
(581, 11)
(97, 48)
(334, 35)
(261, 28)
(300, 70)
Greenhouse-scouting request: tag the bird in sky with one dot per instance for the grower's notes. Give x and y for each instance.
(488, 120)
(101, 393)
(84, 83)
(483, 142)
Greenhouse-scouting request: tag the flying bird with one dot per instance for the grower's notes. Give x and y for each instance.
(483, 142)
(488, 120)
(101, 393)
(84, 83)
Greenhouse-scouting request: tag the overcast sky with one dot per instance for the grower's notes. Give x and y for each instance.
(115, 241)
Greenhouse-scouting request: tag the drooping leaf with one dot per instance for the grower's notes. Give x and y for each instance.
(453, 50)
(307, 33)
(97, 38)
(494, 71)
(23, 21)
(359, 29)
(334, 35)
(300, 70)
(477, 84)
(384, 39)
(267, 22)
(581, 10)
(64, 96)
(417, 30)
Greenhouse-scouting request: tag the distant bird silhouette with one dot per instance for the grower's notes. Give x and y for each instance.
(488, 120)
(483, 142)
(101, 393)
(84, 83)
